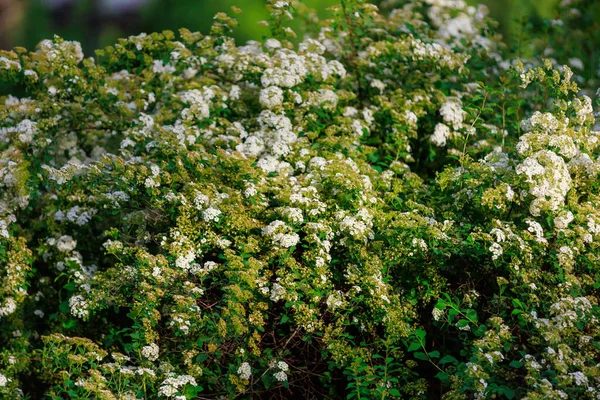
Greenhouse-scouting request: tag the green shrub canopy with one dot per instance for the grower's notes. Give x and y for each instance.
(396, 205)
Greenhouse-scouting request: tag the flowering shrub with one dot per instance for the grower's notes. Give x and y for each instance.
(395, 206)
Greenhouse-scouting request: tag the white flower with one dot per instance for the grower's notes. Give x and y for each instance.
(311, 46)
(335, 300)
(379, 85)
(170, 386)
(286, 240)
(281, 234)
(184, 261)
(548, 178)
(328, 98)
(496, 250)
(235, 92)
(440, 135)
(294, 215)
(576, 63)
(151, 351)
(411, 117)
(282, 365)
(33, 74)
(280, 376)
(250, 191)
(145, 371)
(499, 233)
(3, 380)
(78, 306)
(537, 230)
(9, 307)
(579, 378)
(271, 97)
(272, 44)
(66, 243)
(244, 371)
(277, 292)
(563, 219)
(452, 112)
(565, 257)
(211, 214)
(113, 245)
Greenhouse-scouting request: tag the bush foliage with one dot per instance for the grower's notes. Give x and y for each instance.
(395, 205)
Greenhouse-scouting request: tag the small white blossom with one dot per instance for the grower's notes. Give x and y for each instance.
(150, 351)
(244, 371)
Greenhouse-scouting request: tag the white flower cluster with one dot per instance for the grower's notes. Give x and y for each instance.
(452, 112)
(281, 234)
(66, 172)
(76, 214)
(563, 219)
(64, 243)
(154, 179)
(113, 246)
(9, 306)
(69, 50)
(78, 306)
(277, 292)
(211, 214)
(567, 312)
(245, 371)
(271, 97)
(199, 104)
(170, 386)
(272, 141)
(358, 226)
(335, 300)
(282, 368)
(184, 261)
(548, 178)
(441, 134)
(182, 323)
(151, 351)
(438, 54)
(25, 131)
(496, 250)
(293, 215)
(208, 266)
(566, 258)
(4, 223)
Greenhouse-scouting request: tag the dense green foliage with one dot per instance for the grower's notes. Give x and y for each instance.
(399, 206)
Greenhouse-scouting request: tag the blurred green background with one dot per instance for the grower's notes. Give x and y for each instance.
(97, 23)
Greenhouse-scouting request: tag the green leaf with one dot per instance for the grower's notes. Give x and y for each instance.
(448, 359)
(462, 323)
(69, 323)
(441, 304)
(421, 334)
(472, 315)
(442, 376)
(64, 307)
(516, 364)
(414, 346)
(434, 354)
(509, 393)
(421, 356)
